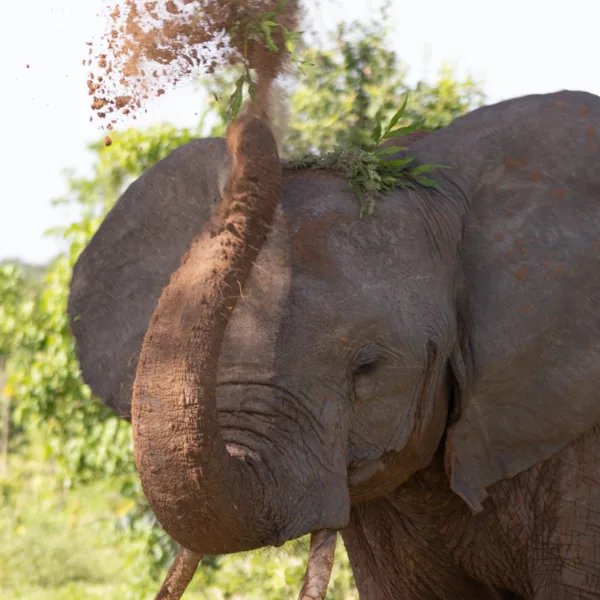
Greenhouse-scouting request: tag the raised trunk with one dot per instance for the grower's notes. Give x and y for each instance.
(206, 499)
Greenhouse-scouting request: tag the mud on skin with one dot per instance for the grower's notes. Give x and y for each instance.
(428, 377)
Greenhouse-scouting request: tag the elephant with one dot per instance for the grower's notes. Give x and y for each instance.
(425, 380)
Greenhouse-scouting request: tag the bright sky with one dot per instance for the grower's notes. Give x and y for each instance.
(515, 47)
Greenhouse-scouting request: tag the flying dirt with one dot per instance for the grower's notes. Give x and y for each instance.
(150, 47)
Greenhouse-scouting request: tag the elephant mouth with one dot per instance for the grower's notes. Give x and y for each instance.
(304, 482)
(259, 425)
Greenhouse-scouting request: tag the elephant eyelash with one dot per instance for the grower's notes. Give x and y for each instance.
(368, 360)
(367, 368)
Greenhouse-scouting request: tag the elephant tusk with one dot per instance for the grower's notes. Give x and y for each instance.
(179, 576)
(316, 577)
(320, 564)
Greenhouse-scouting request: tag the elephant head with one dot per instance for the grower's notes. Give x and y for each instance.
(357, 347)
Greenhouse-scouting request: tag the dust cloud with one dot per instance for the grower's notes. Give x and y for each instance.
(149, 47)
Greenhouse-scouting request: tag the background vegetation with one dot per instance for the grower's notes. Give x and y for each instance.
(73, 521)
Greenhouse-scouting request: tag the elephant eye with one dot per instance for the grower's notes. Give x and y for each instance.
(367, 361)
(366, 381)
(367, 368)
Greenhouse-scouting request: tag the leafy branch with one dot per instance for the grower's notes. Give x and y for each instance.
(260, 31)
(371, 173)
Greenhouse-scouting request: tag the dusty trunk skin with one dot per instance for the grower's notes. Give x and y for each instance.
(189, 478)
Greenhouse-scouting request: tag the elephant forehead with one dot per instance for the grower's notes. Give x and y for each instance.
(309, 244)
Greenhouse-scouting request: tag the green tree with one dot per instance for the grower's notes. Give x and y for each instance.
(358, 80)
(17, 291)
(33, 274)
(12, 307)
(346, 82)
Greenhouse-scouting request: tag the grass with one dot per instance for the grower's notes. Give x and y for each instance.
(53, 545)
(62, 546)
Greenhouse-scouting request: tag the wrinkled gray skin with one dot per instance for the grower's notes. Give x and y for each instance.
(447, 349)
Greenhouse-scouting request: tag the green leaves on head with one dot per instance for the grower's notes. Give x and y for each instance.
(371, 173)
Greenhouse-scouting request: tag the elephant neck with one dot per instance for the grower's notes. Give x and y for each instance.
(415, 540)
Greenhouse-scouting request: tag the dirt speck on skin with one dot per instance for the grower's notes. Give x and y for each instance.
(149, 47)
(521, 274)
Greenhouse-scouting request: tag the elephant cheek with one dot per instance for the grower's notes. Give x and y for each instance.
(376, 476)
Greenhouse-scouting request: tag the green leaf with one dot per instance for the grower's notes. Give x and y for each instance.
(270, 43)
(401, 162)
(426, 169)
(356, 188)
(390, 150)
(397, 116)
(235, 101)
(400, 132)
(426, 181)
(377, 131)
(251, 89)
(275, 13)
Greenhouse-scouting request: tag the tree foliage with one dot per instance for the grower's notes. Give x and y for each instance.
(15, 308)
(347, 82)
(348, 85)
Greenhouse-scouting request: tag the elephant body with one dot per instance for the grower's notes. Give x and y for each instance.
(426, 380)
(535, 537)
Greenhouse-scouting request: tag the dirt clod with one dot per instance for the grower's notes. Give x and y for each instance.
(122, 101)
(99, 103)
(149, 47)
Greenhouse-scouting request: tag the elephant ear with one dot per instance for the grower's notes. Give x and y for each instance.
(120, 275)
(528, 367)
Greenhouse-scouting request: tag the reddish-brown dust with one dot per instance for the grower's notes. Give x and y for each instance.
(151, 46)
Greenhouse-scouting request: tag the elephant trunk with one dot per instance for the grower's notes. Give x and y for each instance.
(208, 500)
